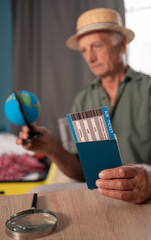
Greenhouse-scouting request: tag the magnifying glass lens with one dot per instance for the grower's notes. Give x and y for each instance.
(31, 222)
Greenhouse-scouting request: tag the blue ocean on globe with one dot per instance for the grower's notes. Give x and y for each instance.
(30, 105)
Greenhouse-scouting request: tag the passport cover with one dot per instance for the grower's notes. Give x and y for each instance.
(96, 156)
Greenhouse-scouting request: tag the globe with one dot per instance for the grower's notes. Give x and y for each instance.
(30, 105)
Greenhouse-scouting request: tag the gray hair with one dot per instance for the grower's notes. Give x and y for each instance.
(116, 38)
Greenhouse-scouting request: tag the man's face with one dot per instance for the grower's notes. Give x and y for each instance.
(101, 56)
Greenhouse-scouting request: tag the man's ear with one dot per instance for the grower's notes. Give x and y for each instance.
(123, 45)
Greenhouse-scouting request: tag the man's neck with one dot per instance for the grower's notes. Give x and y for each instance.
(110, 83)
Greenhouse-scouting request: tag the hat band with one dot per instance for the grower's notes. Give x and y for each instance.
(96, 26)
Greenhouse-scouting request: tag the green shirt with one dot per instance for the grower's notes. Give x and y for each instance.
(130, 115)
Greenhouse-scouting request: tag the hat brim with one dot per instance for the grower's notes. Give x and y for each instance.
(72, 42)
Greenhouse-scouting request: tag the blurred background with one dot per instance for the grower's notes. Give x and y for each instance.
(33, 55)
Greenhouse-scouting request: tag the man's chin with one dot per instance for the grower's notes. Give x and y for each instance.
(99, 73)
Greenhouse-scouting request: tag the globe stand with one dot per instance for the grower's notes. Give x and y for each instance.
(32, 134)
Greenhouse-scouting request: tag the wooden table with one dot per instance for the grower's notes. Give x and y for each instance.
(84, 215)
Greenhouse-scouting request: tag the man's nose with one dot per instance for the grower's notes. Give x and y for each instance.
(91, 56)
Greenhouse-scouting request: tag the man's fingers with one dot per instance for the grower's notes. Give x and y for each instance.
(19, 141)
(119, 172)
(24, 135)
(129, 183)
(25, 129)
(121, 195)
(118, 184)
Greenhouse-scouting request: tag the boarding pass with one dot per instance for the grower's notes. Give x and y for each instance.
(91, 125)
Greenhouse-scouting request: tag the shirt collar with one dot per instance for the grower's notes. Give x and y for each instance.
(129, 75)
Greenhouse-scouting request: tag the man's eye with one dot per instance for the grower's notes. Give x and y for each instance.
(82, 51)
(98, 45)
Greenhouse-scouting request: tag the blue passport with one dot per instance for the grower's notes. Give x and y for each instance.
(95, 156)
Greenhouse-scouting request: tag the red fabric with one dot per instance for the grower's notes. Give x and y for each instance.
(15, 167)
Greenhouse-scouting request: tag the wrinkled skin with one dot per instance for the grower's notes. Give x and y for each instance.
(129, 183)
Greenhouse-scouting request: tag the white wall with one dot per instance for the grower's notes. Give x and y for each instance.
(138, 18)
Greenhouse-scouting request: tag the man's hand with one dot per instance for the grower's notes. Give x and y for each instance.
(130, 183)
(43, 144)
(48, 145)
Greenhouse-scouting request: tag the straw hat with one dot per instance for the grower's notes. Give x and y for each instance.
(99, 19)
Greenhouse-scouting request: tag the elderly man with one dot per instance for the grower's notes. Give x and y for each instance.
(102, 41)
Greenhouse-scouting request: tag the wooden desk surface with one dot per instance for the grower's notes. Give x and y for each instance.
(84, 215)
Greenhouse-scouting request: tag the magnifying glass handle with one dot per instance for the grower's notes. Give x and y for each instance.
(34, 202)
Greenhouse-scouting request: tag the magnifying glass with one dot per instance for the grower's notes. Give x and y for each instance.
(32, 134)
(32, 223)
